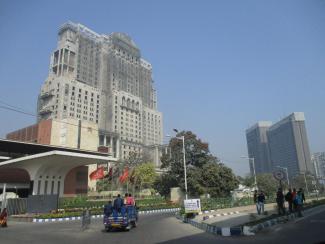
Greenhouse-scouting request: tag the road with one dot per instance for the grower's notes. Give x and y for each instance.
(152, 228)
(160, 228)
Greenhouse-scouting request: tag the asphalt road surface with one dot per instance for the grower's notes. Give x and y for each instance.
(160, 228)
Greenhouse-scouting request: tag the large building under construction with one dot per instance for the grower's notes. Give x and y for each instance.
(102, 79)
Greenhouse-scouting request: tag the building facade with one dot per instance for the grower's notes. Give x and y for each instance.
(66, 133)
(104, 80)
(257, 145)
(318, 160)
(286, 142)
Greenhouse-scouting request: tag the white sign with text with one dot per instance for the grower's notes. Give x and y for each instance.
(192, 205)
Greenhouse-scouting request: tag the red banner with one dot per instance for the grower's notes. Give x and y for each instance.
(97, 174)
(124, 176)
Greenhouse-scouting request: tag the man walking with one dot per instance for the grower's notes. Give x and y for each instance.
(294, 194)
(298, 202)
(302, 195)
(280, 201)
(288, 198)
(260, 202)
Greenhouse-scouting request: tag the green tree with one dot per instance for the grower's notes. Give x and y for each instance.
(145, 175)
(299, 182)
(205, 173)
(240, 179)
(164, 182)
(218, 180)
(102, 185)
(134, 159)
(131, 162)
(265, 182)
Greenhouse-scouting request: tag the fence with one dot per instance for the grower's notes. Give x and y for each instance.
(16, 206)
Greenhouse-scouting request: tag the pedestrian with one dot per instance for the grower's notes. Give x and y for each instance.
(260, 202)
(294, 194)
(280, 201)
(125, 198)
(255, 200)
(130, 200)
(3, 218)
(302, 195)
(298, 202)
(118, 203)
(108, 209)
(288, 198)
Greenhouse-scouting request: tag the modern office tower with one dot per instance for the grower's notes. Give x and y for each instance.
(103, 79)
(257, 145)
(283, 144)
(289, 146)
(318, 160)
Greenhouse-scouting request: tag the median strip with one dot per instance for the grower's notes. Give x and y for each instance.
(39, 220)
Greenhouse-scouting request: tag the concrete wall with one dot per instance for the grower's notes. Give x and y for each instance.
(66, 133)
(44, 132)
(61, 133)
(76, 181)
(27, 134)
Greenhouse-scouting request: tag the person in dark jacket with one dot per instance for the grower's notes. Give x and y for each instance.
(288, 198)
(118, 203)
(299, 202)
(260, 202)
(108, 209)
(302, 195)
(280, 201)
(294, 194)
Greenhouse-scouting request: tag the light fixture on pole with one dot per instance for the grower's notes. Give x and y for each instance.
(184, 160)
(286, 169)
(253, 163)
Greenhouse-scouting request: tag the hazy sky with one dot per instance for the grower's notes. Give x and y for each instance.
(218, 66)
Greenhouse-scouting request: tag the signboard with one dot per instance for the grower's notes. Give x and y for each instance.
(192, 205)
(279, 175)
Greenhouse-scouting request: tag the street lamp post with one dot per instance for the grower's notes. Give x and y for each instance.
(253, 163)
(184, 161)
(286, 169)
(185, 173)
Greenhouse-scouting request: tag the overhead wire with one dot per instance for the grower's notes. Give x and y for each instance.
(20, 110)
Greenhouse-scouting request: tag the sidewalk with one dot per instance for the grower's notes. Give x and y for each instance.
(238, 215)
(245, 223)
(242, 209)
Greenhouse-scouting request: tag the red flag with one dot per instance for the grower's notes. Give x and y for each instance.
(97, 174)
(124, 176)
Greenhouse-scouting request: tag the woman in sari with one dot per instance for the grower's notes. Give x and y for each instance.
(3, 218)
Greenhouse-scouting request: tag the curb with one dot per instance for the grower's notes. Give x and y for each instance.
(168, 210)
(223, 231)
(218, 215)
(251, 230)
